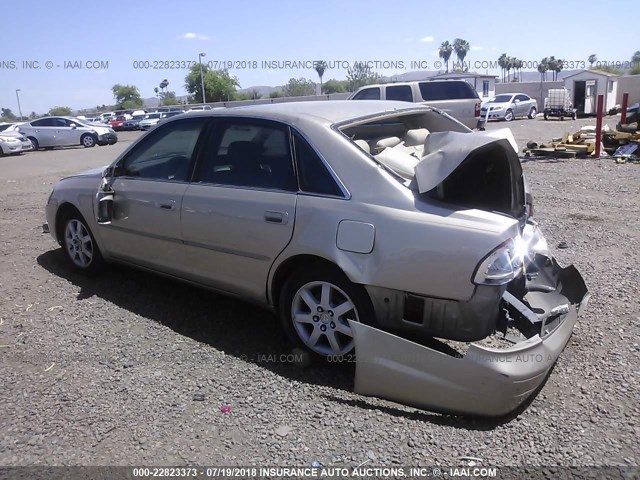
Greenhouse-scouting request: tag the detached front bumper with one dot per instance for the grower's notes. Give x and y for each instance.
(107, 139)
(485, 381)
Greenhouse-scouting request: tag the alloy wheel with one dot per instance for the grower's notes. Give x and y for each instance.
(78, 243)
(320, 312)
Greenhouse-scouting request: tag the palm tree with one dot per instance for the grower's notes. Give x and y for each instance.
(509, 65)
(461, 47)
(164, 84)
(558, 69)
(517, 65)
(445, 53)
(156, 90)
(502, 62)
(320, 66)
(543, 66)
(592, 59)
(552, 63)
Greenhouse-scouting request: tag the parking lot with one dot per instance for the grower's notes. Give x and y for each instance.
(128, 368)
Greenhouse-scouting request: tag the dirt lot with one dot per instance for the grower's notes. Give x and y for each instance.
(103, 371)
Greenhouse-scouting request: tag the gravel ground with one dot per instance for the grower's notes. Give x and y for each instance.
(129, 368)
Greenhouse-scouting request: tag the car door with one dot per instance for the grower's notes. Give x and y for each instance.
(44, 131)
(65, 134)
(522, 105)
(148, 185)
(239, 210)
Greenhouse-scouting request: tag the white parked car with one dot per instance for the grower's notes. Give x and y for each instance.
(9, 145)
(11, 130)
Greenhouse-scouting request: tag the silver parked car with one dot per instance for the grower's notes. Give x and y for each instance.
(508, 106)
(49, 132)
(150, 120)
(374, 226)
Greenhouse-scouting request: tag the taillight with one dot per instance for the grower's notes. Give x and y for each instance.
(477, 109)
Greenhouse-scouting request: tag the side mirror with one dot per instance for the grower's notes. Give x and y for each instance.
(516, 101)
(73, 125)
(108, 172)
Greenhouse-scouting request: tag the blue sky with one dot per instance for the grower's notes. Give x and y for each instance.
(400, 30)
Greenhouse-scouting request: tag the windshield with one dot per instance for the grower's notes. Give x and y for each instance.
(153, 115)
(80, 122)
(138, 117)
(501, 99)
(5, 127)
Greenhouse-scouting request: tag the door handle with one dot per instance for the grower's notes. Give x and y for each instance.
(276, 217)
(169, 205)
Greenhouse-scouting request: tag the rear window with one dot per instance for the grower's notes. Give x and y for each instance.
(447, 90)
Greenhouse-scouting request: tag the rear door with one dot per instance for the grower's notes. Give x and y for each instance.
(44, 131)
(65, 134)
(238, 213)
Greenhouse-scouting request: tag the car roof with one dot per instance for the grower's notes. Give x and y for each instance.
(332, 111)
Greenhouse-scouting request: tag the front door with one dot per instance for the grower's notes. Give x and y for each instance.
(239, 211)
(590, 96)
(149, 184)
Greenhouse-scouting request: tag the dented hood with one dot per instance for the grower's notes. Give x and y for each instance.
(444, 152)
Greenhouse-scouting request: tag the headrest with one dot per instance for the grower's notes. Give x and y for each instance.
(363, 145)
(415, 137)
(387, 142)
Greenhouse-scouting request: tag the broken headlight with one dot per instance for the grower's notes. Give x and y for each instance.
(502, 265)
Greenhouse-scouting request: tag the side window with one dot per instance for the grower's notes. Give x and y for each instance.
(522, 98)
(248, 153)
(43, 122)
(62, 122)
(485, 88)
(400, 92)
(166, 154)
(368, 94)
(312, 172)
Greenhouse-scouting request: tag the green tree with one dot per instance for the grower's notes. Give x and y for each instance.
(275, 94)
(543, 67)
(517, 65)
(33, 115)
(299, 87)
(218, 84)
(164, 84)
(126, 96)
(7, 115)
(335, 86)
(461, 47)
(609, 69)
(502, 63)
(593, 58)
(169, 98)
(445, 53)
(361, 74)
(60, 111)
(320, 66)
(635, 58)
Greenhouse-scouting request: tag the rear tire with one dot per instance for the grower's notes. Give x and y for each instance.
(316, 305)
(79, 244)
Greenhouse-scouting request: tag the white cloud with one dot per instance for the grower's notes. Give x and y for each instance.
(193, 36)
(427, 39)
(477, 47)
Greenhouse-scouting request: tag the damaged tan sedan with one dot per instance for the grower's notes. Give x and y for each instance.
(375, 227)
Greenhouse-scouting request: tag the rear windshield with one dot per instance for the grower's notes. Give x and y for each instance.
(447, 90)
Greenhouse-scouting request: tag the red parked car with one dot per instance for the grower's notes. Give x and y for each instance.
(116, 124)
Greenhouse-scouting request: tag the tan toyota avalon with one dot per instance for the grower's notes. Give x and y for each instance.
(381, 228)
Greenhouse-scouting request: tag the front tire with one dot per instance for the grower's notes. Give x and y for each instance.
(316, 306)
(533, 112)
(88, 140)
(34, 142)
(79, 244)
(508, 116)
